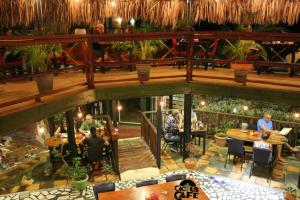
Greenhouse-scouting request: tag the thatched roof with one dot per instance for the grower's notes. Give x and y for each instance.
(166, 12)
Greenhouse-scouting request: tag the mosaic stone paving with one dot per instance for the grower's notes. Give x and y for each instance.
(216, 187)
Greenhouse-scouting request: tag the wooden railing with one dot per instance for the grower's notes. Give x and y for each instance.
(90, 64)
(217, 119)
(149, 133)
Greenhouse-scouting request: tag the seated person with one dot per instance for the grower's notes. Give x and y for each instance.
(63, 128)
(88, 124)
(263, 144)
(265, 124)
(95, 143)
(172, 128)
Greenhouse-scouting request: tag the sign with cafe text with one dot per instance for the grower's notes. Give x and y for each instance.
(187, 189)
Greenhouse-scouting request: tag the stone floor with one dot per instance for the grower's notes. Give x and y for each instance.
(216, 187)
(210, 164)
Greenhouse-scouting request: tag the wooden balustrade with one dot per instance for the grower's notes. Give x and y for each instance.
(90, 64)
(149, 133)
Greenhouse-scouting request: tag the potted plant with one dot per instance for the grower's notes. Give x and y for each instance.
(290, 192)
(37, 57)
(77, 173)
(191, 161)
(241, 52)
(75, 170)
(145, 50)
(221, 133)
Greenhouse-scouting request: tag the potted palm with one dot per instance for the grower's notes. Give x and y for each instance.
(241, 52)
(37, 57)
(145, 50)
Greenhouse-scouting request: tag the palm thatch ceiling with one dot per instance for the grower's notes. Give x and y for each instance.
(165, 12)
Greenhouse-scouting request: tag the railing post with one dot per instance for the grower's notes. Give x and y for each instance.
(189, 69)
(71, 133)
(158, 130)
(90, 70)
(187, 123)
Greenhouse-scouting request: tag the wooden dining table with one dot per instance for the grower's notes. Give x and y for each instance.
(165, 191)
(274, 139)
(56, 141)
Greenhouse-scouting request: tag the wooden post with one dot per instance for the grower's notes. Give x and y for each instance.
(143, 104)
(171, 102)
(158, 130)
(51, 125)
(189, 69)
(114, 113)
(187, 123)
(90, 74)
(71, 134)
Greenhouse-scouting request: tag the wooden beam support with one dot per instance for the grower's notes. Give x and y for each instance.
(159, 127)
(38, 111)
(170, 101)
(114, 106)
(189, 69)
(51, 125)
(71, 134)
(187, 123)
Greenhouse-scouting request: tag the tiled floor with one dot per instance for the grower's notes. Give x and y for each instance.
(210, 164)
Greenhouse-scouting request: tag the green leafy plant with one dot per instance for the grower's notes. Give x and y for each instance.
(37, 55)
(223, 128)
(126, 46)
(184, 25)
(292, 189)
(146, 49)
(76, 171)
(243, 49)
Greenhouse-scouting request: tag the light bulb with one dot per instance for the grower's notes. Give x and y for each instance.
(79, 114)
(132, 22)
(234, 110)
(119, 107)
(113, 3)
(297, 115)
(161, 103)
(245, 107)
(202, 103)
(119, 20)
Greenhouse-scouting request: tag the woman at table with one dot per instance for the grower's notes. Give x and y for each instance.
(63, 128)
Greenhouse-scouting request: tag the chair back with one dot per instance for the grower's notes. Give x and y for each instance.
(261, 156)
(175, 177)
(94, 154)
(235, 147)
(106, 187)
(147, 182)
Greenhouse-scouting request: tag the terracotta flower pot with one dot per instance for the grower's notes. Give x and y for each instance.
(190, 163)
(44, 83)
(221, 141)
(143, 72)
(241, 71)
(289, 196)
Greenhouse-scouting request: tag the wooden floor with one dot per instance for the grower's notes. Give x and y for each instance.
(23, 88)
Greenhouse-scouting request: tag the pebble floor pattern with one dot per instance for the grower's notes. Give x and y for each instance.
(216, 187)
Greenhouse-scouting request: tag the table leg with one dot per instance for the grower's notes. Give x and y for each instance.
(204, 141)
(299, 182)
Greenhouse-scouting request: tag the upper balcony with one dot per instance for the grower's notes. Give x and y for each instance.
(190, 65)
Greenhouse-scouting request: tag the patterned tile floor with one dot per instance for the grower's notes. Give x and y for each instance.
(216, 187)
(210, 164)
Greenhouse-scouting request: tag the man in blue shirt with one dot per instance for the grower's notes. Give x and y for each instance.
(265, 124)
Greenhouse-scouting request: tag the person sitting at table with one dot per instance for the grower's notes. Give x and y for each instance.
(263, 144)
(172, 129)
(95, 143)
(265, 125)
(63, 128)
(88, 123)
